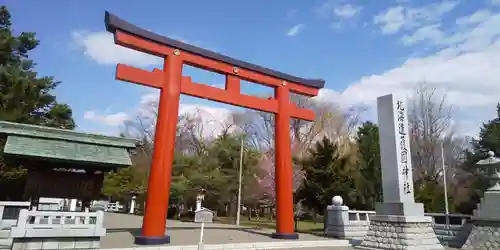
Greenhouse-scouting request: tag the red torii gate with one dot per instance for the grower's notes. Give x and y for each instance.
(172, 84)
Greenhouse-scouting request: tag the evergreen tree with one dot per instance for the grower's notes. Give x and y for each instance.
(25, 97)
(430, 192)
(369, 180)
(120, 184)
(326, 175)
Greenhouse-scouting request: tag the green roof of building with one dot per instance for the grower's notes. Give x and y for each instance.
(26, 140)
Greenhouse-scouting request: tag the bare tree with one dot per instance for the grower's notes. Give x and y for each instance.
(430, 120)
(330, 121)
(189, 131)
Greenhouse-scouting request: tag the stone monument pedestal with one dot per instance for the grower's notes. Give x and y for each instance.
(485, 233)
(400, 226)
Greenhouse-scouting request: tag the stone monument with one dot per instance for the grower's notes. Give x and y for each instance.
(485, 233)
(399, 222)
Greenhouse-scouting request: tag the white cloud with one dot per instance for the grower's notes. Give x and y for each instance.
(329, 95)
(100, 47)
(475, 18)
(465, 66)
(474, 32)
(295, 30)
(338, 12)
(400, 17)
(392, 20)
(429, 32)
(470, 79)
(106, 119)
(347, 10)
(326, 9)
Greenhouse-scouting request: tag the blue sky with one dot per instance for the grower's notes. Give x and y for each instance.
(362, 49)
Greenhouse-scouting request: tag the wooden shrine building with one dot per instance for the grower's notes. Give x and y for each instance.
(62, 163)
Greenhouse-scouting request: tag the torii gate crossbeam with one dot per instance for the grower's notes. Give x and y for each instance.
(172, 84)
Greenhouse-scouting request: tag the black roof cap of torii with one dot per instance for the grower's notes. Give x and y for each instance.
(114, 23)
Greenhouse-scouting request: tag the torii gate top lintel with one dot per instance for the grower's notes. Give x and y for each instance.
(114, 24)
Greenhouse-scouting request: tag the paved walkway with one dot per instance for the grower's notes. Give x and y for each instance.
(121, 229)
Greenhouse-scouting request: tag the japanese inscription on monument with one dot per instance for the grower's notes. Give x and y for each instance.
(402, 128)
(395, 149)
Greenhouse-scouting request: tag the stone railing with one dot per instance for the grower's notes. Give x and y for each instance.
(9, 212)
(99, 205)
(114, 207)
(352, 224)
(57, 230)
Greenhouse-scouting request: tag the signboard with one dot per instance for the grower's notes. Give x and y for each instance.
(61, 184)
(203, 216)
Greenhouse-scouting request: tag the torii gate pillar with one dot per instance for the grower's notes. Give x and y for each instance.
(172, 84)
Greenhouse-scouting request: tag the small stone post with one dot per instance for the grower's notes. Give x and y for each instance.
(338, 218)
(132, 204)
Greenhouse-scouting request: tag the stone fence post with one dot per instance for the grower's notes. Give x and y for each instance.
(344, 223)
(9, 211)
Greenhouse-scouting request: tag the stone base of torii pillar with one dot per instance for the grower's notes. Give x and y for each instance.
(399, 222)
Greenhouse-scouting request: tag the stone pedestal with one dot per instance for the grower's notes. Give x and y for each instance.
(485, 233)
(400, 232)
(400, 226)
(339, 225)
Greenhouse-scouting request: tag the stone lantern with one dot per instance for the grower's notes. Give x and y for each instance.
(490, 167)
(486, 218)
